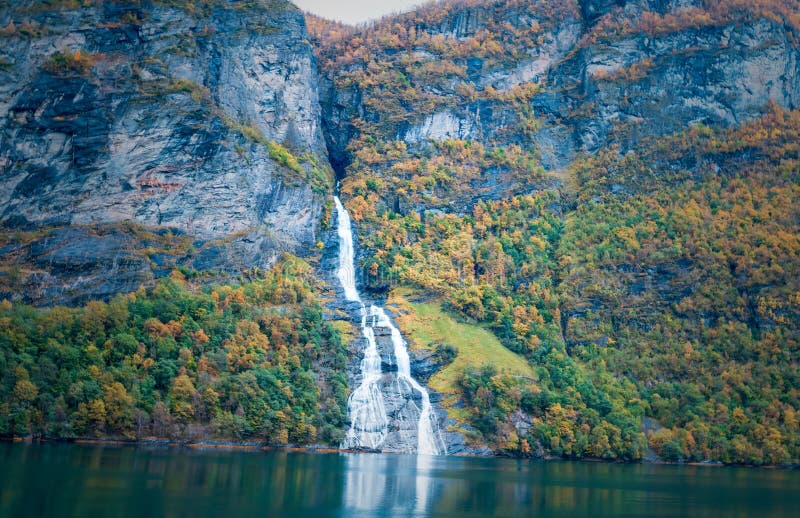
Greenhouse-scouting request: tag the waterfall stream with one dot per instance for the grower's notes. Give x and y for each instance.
(369, 423)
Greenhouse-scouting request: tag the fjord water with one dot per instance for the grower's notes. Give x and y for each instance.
(77, 480)
(369, 422)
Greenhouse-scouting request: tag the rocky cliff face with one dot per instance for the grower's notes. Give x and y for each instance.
(536, 85)
(202, 118)
(573, 78)
(657, 80)
(207, 119)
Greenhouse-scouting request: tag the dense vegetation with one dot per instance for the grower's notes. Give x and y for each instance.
(682, 273)
(497, 266)
(645, 297)
(669, 291)
(658, 284)
(252, 361)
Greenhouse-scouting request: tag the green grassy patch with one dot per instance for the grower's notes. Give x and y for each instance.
(424, 324)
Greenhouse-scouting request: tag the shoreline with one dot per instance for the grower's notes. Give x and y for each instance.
(154, 442)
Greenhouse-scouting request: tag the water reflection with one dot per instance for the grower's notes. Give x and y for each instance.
(72, 480)
(401, 485)
(424, 484)
(398, 485)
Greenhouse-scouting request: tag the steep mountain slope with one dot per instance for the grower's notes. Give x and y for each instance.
(610, 187)
(680, 272)
(462, 132)
(145, 148)
(197, 117)
(564, 77)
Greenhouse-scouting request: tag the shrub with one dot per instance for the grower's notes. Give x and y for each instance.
(65, 62)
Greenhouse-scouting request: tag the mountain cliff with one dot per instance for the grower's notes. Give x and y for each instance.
(120, 122)
(583, 214)
(574, 176)
(561, 78)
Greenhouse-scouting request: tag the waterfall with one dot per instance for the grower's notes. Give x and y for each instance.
(369, 424)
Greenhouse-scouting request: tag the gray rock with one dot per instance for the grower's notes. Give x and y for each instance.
(401, 401)
(594, 9)
(715, 75)
(73, 265)
(722, 75)
(151, 130)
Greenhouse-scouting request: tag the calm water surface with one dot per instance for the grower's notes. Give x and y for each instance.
(76, 480)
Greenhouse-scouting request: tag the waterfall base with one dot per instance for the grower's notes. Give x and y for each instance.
(389, 410)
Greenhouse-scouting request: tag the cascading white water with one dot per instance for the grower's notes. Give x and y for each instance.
(368, 421)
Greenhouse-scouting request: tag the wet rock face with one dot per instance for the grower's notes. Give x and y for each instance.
(615, 90)
(156, 120)
(642, 86)
(594, 9)
(401, 401)
(339, 107)
(402, 404)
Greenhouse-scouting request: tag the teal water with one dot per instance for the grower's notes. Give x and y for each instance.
(77, 480)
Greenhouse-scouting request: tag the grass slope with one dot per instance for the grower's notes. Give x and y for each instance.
(425, 324)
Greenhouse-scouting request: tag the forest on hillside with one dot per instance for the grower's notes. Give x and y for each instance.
(254, 361)
(640, 273)
(658, 280)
